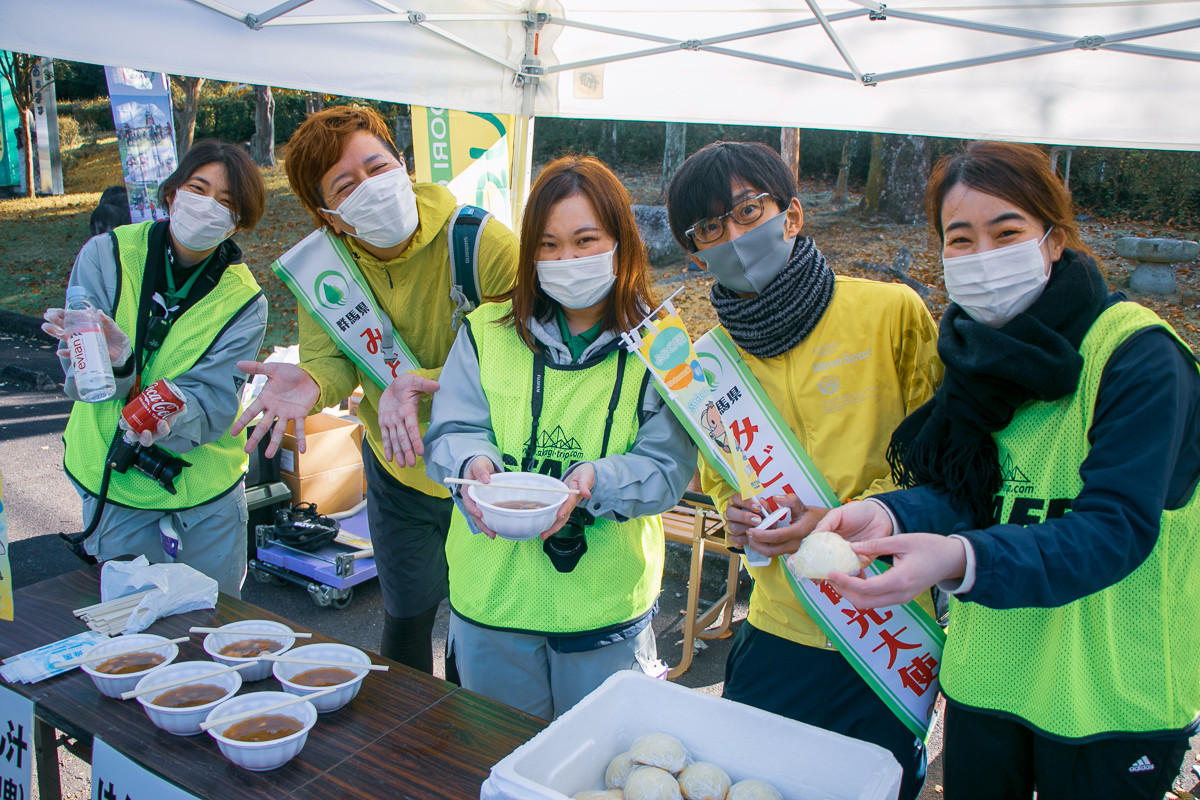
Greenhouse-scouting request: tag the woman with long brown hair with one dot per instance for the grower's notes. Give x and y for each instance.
(538, 381)
(1056, 472)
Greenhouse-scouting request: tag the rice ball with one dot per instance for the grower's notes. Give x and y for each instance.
(652, 783)
(821, 553)
(704, 781)
(618, 771)
(660, 750)
(753, 790)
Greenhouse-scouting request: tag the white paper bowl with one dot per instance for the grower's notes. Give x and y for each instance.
(517, 523)
(114, 685)
(215, 641)
(186, 721)
(262, 756)
(337, 653)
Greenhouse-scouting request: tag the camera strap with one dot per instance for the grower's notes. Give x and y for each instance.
(74, 541)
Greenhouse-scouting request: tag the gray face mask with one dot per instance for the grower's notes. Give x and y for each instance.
(750, 262)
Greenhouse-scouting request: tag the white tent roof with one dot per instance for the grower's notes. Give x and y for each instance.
(1055, 71)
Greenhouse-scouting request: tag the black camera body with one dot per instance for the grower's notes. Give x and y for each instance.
(154, 462)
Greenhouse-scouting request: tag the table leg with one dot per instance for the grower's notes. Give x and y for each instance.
(45, 759)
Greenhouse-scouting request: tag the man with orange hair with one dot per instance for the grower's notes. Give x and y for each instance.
(344, 167)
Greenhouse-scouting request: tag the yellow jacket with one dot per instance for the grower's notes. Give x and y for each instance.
(412, 289)
(870, 361)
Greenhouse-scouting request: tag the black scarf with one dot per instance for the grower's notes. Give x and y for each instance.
(947, 442)
(777, 319)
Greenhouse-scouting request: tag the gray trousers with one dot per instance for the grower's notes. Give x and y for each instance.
(212, 536)
(523, 671)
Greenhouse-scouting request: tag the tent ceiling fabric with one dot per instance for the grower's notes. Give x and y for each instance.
(1056, 71)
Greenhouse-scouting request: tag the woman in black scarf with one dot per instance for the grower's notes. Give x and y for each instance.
(1056, 469)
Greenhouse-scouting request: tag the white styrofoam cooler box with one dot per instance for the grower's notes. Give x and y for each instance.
(571, 754)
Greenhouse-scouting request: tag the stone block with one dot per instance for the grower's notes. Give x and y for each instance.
(656, 233)
(1157, 251)
(1153, 278)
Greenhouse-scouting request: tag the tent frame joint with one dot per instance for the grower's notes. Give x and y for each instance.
(878, 16)
(416, 17)
(691, 44)
(1089, 43)
(868, 79)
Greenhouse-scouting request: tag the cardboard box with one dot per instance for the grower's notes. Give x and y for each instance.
(330, 443)
(801, 761)
(334, 490)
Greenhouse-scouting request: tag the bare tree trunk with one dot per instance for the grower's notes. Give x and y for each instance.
(843, 176)
(313, 102)
(789, 150)
(898, 176)
(27, 132)
(187, 114)
(262, 145)
(607, 150)
(673, 151)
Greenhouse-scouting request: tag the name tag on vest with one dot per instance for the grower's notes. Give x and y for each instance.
(321, 273)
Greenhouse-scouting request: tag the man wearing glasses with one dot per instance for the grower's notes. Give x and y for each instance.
(844, 360)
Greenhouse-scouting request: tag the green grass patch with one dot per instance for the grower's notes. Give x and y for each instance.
(42, 236)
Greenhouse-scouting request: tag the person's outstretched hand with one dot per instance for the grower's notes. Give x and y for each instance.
(398, 425)
(288, 396)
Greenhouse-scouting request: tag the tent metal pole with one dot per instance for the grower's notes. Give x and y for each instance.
(1156, 52)
(833, 37)
(1013, 55)
(707, 45)
(222, 9)
(256, 21)
(528, 79)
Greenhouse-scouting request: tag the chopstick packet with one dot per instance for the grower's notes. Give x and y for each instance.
(50, 659)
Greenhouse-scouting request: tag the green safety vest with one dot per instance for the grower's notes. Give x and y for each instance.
(511, 584)
(215, 467)
(1123, 659)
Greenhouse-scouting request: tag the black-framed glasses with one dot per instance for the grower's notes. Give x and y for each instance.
(710, 229)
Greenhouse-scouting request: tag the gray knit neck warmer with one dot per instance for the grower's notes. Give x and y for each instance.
(779, 318)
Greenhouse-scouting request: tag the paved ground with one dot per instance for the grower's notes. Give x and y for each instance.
(40, 503)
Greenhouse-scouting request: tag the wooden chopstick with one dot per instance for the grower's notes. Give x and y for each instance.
(494, 485)
(128, 650)
(248, 632)
(132, 693)
(265, 709)
(318, 662)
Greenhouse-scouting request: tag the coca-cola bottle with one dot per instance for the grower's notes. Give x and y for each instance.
(89, 351)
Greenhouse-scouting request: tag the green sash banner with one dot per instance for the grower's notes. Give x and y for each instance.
(321, 273)
(897, 650)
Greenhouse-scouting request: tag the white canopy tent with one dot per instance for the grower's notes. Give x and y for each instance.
(1052, 71)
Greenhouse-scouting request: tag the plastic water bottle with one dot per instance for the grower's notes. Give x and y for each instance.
(89, 351)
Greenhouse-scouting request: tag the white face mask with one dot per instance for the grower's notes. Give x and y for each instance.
(382, 209)
(578, 282)
(996, 285)
(199, 222)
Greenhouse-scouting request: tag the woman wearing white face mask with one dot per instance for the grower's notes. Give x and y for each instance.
(177, 303)
(1063, 453)
(539, 382)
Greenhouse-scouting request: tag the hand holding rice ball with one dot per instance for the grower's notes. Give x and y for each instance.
(821, 553)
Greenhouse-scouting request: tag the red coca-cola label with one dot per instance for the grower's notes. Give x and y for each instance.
(157, 402)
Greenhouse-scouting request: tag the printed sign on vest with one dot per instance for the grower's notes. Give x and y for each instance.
(897, 650)
(323, 276)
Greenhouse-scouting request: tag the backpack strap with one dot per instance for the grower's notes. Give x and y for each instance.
(466, 228)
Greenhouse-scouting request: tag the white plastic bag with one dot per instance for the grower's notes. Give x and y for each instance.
(178, 588)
